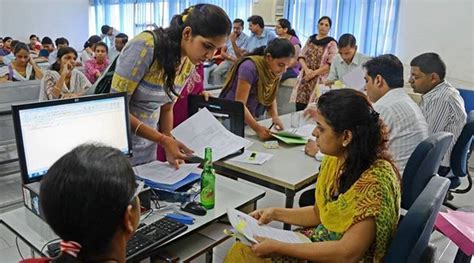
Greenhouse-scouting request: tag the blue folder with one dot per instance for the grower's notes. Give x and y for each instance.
(191, 178)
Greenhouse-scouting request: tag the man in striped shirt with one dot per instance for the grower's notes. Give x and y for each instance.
(441, 103)
(406, 124)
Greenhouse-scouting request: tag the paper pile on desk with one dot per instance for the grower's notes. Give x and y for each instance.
(203, 130)
(247, 227)
(161, 175)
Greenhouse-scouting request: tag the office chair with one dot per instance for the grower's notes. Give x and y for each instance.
(410, 243)
(422, 165)
(459, 162)
(468, 97)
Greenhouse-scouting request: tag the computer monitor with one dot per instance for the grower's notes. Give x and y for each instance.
(45, 131)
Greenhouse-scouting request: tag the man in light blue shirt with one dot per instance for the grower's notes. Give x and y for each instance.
(348, 59)
(218, 74)
(260, 36)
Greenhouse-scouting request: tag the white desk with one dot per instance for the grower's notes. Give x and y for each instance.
(229, 193)
(288, 171)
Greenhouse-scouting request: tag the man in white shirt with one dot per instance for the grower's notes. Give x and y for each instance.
(348, 59)
(404, 119)
(441, 103)
(110, 33)
(121, 40)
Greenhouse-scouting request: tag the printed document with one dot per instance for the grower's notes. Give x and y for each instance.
(203, 130)
(164, 173)
(355, 79)
(248, 227)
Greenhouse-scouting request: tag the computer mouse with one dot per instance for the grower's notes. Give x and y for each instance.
(194, 208)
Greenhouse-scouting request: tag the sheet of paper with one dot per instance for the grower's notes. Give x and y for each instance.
(306, 131)
(249, 227)
(355, 79)
(203, 130)
(253, 157)
(164, 173)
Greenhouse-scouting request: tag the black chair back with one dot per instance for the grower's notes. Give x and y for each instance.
(413, 233)
(459, 155)
(422, 165)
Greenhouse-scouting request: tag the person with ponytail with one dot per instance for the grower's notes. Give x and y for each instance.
(283, 30)
(357, 192)
(89, 47)
(93, 225)
(154, 83)
(254, 81)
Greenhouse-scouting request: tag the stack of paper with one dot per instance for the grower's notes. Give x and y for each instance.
(203, 130)
(247, 227)
(253, 157)
(161, 175)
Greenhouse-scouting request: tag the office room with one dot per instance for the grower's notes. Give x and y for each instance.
(78, 71)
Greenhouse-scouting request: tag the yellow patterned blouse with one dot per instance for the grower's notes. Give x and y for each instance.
(375, 194)
(139, 74)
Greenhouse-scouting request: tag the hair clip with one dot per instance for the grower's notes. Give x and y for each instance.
(186, 13)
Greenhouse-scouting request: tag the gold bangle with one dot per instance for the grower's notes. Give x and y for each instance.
(138, 126)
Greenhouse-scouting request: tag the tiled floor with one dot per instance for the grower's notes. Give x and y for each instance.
(10, 193)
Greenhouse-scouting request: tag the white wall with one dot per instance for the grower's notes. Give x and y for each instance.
(1, 18)
(265, 9)
(54, 18)
(441, 26)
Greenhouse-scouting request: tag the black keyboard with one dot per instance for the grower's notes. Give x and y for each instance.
(152, 236)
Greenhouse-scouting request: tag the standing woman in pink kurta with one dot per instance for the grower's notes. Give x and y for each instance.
(315, 60)
(93, 68)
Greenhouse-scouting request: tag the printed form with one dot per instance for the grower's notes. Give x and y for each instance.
(203, 130)
(248, 227)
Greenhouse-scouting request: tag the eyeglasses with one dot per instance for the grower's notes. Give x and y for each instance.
(139, 188)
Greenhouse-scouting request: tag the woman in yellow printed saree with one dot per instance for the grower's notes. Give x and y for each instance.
(357, 191)
(154, 81)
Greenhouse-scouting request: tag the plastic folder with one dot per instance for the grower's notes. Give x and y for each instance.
(290, 140)
(191, 178)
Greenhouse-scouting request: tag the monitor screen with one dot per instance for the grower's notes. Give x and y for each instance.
(45, 131)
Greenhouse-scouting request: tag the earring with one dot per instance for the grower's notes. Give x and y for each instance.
(344, 144)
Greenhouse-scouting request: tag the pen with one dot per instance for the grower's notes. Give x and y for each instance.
(271, 126)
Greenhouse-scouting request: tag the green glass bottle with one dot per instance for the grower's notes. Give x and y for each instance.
(208, 181)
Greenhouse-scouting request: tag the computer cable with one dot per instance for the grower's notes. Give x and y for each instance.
(18, 248)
